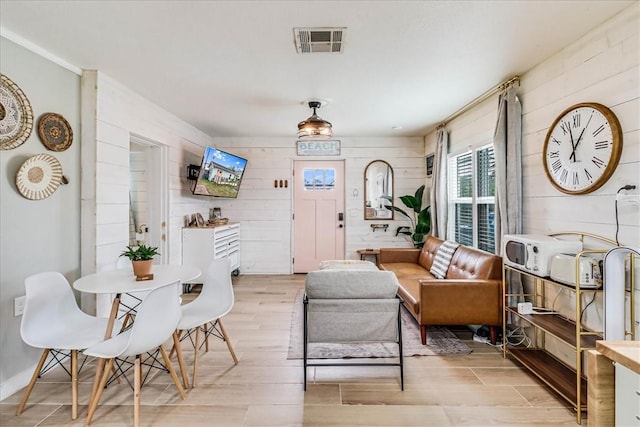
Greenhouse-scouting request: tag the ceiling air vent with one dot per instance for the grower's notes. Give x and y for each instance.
(316, 40)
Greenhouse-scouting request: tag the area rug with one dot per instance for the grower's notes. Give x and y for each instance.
(440, 341)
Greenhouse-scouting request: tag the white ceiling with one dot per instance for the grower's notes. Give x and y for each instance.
(230, 68)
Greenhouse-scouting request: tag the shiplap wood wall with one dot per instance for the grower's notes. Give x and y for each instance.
(112, 115)
(603, 66)
(138, 191)
(265, 212)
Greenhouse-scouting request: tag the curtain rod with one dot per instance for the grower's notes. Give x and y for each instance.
(483, 97)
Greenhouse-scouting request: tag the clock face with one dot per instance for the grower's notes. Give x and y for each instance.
(582, 148)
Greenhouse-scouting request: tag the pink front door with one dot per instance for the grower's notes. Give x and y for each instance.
(318, 208)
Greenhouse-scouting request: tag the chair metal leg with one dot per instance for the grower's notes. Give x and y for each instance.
(400, 347)
(228, 341)
(32, 383)
(95, 398)
(178, 349)
(305, 342)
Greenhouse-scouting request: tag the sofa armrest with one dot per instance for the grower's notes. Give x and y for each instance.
(391, 255)
(472, 301)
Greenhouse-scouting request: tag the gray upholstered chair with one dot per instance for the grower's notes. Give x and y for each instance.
(352, 306)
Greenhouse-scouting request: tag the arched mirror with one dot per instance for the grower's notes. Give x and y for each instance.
(378, 190)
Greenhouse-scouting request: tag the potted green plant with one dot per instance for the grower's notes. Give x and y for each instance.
(420, 218)
(141, 258)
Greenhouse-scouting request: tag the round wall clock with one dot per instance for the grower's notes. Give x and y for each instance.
(16, 116)
(582, 148)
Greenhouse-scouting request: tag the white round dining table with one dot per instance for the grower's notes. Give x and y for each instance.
(124, 281)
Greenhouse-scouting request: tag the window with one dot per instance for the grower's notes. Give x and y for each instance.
(472, 198)
(319, 179)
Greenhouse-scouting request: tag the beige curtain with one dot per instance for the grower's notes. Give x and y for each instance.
(438, 197)
(507, 146)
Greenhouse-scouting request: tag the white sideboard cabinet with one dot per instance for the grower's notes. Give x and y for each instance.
(201, 245)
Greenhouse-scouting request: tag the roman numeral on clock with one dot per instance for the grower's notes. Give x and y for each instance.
(556, 166)
(563, 175)
(576, 180)
(600, 145)
(598, 130)
(596, 161)
(554, 154)
(576, 120)
(588, 175)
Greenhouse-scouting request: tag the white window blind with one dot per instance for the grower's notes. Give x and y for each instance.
(472, 198)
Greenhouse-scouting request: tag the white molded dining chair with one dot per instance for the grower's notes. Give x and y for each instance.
(53, 321)
(155, 322)
(203, 314)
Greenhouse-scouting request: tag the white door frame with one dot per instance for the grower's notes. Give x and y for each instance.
(157, 173)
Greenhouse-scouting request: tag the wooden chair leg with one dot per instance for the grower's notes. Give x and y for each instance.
(206, 337)
(97, 377)
(128, 319)
(74, 384)
(34, 378)
(175, 346)
(228, 341)
(95, 398)
(423, 334)
(172, 372)
(178, 349)
(196, 358)
(137, 379)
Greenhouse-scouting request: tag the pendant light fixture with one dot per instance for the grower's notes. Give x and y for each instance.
(314, 128)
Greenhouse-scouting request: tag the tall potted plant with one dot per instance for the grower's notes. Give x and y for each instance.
(420, 218)
(141, 259)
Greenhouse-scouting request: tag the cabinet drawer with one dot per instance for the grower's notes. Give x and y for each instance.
(627, 397)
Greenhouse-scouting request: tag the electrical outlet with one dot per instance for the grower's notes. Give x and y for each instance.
(18, 306)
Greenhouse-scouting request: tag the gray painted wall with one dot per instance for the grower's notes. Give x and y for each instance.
(35, 235)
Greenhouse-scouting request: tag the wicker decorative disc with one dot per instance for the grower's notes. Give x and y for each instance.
(39, 176)
(55, 132)
(16, 116)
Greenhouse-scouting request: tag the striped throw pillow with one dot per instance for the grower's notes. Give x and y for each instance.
(443, 258)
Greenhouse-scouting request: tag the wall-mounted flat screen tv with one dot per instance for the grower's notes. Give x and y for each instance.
(220, 174)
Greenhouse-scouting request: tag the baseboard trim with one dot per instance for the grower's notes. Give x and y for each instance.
(15, 383)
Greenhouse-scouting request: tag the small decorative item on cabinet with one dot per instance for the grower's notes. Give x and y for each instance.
(142, 260)
(218, 221)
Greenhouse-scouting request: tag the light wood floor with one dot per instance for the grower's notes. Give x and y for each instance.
(265, 389)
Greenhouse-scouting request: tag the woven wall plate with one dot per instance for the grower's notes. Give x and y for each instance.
(16, 115)
(39, 176)
(55, 132)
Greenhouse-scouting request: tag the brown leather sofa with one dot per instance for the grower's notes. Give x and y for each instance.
(470, 293)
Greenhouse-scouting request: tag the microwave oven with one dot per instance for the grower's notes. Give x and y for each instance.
(533, 253)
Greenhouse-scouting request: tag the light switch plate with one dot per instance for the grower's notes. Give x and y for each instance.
(18, 306)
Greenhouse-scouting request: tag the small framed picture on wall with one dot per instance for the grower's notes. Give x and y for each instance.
(428, 160)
